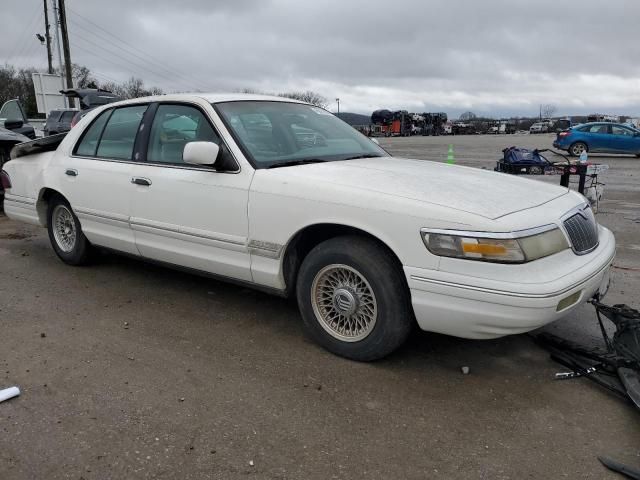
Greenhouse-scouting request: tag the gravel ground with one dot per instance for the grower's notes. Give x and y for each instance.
(129, 370)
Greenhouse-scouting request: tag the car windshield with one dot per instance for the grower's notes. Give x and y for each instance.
(11, 111)
(273, 134)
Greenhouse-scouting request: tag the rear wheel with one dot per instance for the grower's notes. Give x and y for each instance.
(354, 299)
(577, 148)
(65, 233)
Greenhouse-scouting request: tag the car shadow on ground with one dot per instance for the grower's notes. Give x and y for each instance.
(279, 320)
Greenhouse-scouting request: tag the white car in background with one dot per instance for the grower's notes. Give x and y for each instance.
(284, 196)
(539, 127)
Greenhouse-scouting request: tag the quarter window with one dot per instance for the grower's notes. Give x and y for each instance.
(119, 134)
(89, 143)
(173, 127)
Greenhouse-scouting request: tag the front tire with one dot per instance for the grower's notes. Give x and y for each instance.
(576, 149)
(65, 233)
(354, 299)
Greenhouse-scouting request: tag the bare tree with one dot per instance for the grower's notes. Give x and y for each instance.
(308, 96)
(82, 77)
(548, 111)
(18, 84)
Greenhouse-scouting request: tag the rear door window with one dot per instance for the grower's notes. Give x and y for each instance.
(119, 135)
(622, 131)
(599, 129)
(67, 116)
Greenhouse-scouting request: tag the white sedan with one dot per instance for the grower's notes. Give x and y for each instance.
(283, 196)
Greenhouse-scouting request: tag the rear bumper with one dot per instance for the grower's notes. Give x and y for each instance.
(21, 208)
(469, 309)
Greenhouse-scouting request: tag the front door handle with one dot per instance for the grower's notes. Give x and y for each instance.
(71, 172)
(145, 182)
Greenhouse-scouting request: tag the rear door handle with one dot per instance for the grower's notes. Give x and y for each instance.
(71, 172)
(145, 182)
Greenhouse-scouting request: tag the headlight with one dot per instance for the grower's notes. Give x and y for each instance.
(516, 247)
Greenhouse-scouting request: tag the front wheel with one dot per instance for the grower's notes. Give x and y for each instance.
(354, 299)
(577, 148)
(65, 234)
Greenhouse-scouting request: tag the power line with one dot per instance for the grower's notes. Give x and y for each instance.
(110, 61)
(148, 56)
(22, 43)
(103, 38)
(116, 54)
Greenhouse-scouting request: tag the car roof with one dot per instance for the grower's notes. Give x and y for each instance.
(209, 97)
(588, 124)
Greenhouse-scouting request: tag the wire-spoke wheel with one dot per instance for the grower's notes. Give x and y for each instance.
(344, 302)
(354, 298)
(65, 233)
(64, 228)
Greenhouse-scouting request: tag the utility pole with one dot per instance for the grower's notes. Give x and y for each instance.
(338, 102)
(65, 44)
(57, 25)
(48, 37)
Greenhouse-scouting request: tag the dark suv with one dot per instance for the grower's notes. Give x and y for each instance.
(90, 98)
(58, 121)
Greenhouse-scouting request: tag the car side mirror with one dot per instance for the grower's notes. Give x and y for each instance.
(201, 153)
(13, 124)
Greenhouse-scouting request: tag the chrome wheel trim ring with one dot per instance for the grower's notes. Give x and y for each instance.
(64, 228)
(344, 303)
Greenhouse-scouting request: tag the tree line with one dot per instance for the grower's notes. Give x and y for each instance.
(18, 83)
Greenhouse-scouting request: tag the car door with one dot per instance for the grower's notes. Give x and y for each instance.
(624, 140)
(96, 177)
(188, 215)
(598, 137)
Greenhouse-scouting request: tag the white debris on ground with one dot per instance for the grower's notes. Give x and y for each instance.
(8, 393)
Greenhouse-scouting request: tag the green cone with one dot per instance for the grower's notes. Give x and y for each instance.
(450, 157)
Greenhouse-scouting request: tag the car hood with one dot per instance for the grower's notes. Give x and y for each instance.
(477, 191)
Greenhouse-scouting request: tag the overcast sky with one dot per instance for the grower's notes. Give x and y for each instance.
(490, 57)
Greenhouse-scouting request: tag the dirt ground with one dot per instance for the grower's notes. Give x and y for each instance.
(132, 371)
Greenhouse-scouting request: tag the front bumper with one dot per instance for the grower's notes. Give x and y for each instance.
(472, 307)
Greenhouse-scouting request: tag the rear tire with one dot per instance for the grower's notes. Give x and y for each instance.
(65, 233)
(354, 299)
(577, 148)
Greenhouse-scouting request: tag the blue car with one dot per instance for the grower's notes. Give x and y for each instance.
(599, 137)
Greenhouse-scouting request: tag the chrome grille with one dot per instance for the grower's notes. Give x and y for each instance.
(582, 230)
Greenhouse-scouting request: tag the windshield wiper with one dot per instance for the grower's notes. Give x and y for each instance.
(291, 163)
(366, 155)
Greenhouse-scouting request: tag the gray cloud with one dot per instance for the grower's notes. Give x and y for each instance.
(488, 56)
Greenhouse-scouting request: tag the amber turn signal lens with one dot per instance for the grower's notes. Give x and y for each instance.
(484, 249)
